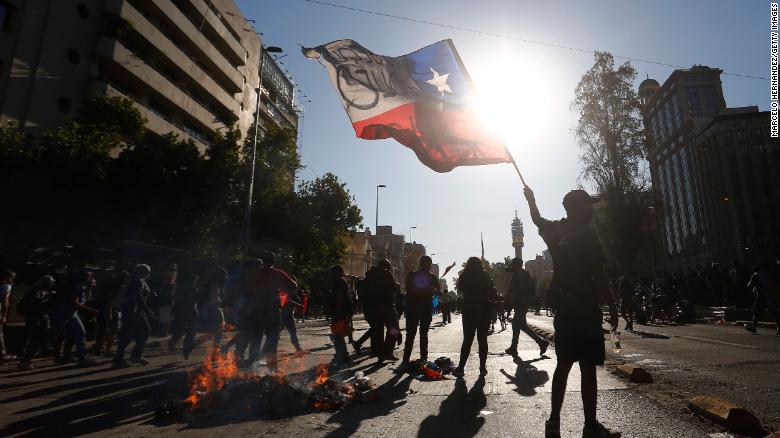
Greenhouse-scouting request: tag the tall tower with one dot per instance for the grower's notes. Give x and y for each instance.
(517, 236)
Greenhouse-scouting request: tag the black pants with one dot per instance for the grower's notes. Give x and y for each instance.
(520, 324)
(376, 330)
(446, 316)
(415, 318)
(758, 309)
(135, 327)
(474, 324)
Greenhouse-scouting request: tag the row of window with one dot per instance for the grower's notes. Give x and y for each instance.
(666, 120)
(676, 184)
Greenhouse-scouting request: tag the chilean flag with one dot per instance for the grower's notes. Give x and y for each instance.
(423, 100)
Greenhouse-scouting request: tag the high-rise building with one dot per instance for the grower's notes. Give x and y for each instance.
(190, 66)
(517, 236)
(711, 166)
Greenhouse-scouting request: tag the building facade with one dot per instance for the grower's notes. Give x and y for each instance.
(191, 67)
(693, 136)
(541, 270)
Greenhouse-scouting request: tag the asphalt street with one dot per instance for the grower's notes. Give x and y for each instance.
(721, 360)
(512, 401)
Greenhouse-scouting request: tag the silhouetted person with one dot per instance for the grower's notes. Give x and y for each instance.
(288, 320)
(626, 289)
(520, 296)
(135, 318)
(444, 306)
(184, 311)
(578, 286)
(340, 313)
(108, 319)
(378, 300)
(6, 285)
(269, 282)
(478, 292)
(35, 306)
(65, 319)
(420, 287)
(761, 283)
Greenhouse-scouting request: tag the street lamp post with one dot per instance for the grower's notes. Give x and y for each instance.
(376, 217)
(410, 233)
(248, 212)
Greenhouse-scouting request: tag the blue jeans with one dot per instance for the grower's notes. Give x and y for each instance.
(66, 318)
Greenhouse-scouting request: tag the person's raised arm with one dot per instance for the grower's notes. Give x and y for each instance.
(535, 216)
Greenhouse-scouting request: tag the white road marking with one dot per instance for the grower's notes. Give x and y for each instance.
(721, 342)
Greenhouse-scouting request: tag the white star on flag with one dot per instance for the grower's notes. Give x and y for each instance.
(439, 81)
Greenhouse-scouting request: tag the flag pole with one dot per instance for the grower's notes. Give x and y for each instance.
(473, 88)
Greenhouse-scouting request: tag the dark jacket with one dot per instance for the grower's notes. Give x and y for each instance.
(378, 289)
(478, 293)
(339, 302)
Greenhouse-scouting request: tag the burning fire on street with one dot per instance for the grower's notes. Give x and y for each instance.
(219, 387)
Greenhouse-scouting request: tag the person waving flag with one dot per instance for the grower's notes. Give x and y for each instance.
(423, 100)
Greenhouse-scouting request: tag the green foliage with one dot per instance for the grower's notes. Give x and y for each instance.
(610, 134)
(609, 130)
(99, 180)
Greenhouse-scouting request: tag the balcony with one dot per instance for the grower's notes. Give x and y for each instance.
(132, 69)
(226, 40)
(155, 121)
(151, 34)
(211, 58)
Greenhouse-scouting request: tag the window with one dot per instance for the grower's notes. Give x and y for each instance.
(708, 96)
(64, 105)
(669, 120)
(676, 111)
(694, 101)
(73, 57)
(241, 106)
(82, 10)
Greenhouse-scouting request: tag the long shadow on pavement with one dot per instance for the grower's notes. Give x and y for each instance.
(390, 396)
(101, 405)
(458, 413)
(527, 377)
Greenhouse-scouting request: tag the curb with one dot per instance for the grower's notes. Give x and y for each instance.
(634, 373)
(733, 417)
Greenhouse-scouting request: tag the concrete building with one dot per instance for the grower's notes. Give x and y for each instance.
(541, 270)
(191, 66)
(703, 155)
(357, 261)
(385, 244)
(517, 236)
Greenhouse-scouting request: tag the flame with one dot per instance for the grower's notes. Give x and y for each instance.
(212, 376)
(322, 375)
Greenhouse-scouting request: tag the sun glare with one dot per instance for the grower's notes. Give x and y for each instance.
(516, 99)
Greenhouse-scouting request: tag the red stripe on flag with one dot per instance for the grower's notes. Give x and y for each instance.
(442, 140)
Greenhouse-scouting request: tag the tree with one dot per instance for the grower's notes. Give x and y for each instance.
(610, 134)
(326, 212)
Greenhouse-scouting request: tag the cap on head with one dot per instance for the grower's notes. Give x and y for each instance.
(337, 270)
(576, 198)
(384, 264)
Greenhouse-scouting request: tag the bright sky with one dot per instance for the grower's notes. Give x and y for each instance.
(532, 86)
